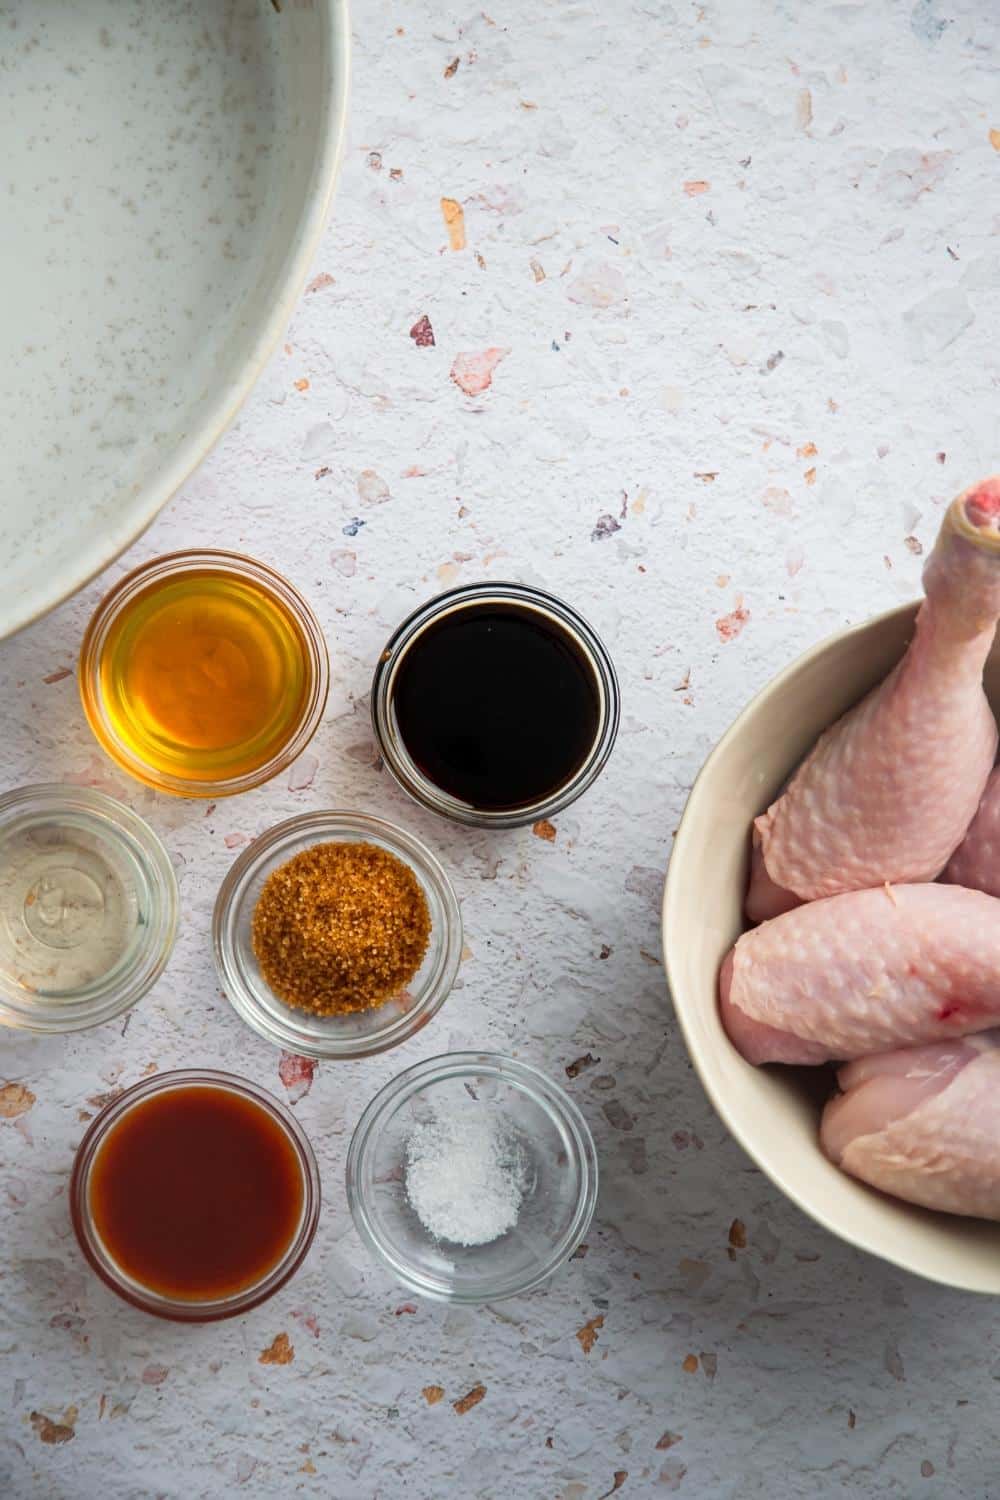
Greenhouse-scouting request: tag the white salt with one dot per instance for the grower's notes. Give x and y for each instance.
(466, 1173)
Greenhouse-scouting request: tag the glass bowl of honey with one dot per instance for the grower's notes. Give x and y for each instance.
(203, 673)
(88, 908)
(309, 924)
(195, 1195)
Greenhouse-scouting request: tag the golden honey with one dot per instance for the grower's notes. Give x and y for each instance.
(202, 676)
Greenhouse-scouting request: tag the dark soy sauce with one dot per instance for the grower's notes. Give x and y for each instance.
(497, 705)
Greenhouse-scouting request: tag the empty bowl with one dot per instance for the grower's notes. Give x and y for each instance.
(556, 1168)
(774, 1112)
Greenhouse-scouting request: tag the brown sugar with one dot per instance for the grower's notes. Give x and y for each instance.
(340, 927)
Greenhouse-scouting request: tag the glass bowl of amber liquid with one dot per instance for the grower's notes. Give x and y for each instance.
(351, 1034)
(195, 1195)
(203, 673)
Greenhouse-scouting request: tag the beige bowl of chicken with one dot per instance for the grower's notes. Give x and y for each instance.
(774, 1112)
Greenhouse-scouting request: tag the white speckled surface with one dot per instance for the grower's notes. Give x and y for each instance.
(738, 271)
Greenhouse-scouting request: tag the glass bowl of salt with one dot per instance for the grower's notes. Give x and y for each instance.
(472, 1176)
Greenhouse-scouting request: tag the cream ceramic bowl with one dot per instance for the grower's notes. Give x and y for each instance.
(771, 1111)
(167, 170)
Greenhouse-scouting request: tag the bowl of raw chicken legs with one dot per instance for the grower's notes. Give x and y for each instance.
(831, 921)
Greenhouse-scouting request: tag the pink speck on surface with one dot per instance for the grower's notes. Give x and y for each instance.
(154, 1374)
(308, 1320)
(794, 562)
(319, 283)
(235, 840)
(422, 333)
(303, 772)
(598, 285)
(696, 188)
(473, 372)
(731, 625)
(296, 1073)
(344, 562)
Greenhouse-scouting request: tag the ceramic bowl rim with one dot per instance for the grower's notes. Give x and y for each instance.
(330, 135)
(853, 1234)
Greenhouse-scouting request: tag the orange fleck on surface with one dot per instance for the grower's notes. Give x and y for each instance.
(454, 221)
(543, 829)
(695, 188)
(318, 283)
(810, 476)
(301, 385)
(59, 675)
(995, 139)
(537, 269)
(690, 1365)
(432, 1394)
(308, 1467)
(808, 450)
(730, 626)
(279, 1352)
(452, 67)
(15, 1099)
(587, 1335)
(55, 1432)
(738, 1234)
(469, 1400)
(668, 1440)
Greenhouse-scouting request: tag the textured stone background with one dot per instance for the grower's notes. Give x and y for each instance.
(735, 270)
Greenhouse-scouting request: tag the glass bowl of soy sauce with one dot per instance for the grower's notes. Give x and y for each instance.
(495, 704)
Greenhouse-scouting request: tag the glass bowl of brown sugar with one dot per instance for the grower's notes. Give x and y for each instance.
(336, 935)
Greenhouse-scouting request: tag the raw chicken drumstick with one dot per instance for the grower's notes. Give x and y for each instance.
(976, 861)
(864, 972)
(889, 791)
(923, 1123)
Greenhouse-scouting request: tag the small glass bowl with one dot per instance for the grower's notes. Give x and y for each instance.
(100, 1258)
(360, 1033)
(390, 741)
(558, 1203)
(65, 852)
(169, 566)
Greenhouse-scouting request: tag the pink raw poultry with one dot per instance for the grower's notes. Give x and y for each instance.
(864, 972)
(889, 791)
(976, 861)
(923, 1123)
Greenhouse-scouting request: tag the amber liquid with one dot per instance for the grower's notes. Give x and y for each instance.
(205, 676)
(497, 705)
(196, 1193)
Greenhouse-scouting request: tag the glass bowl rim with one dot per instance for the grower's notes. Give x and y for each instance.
(528, 1079)
(111, 995)
(405, 771)
(170, 564)
(325, 824)
(215, 1309)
